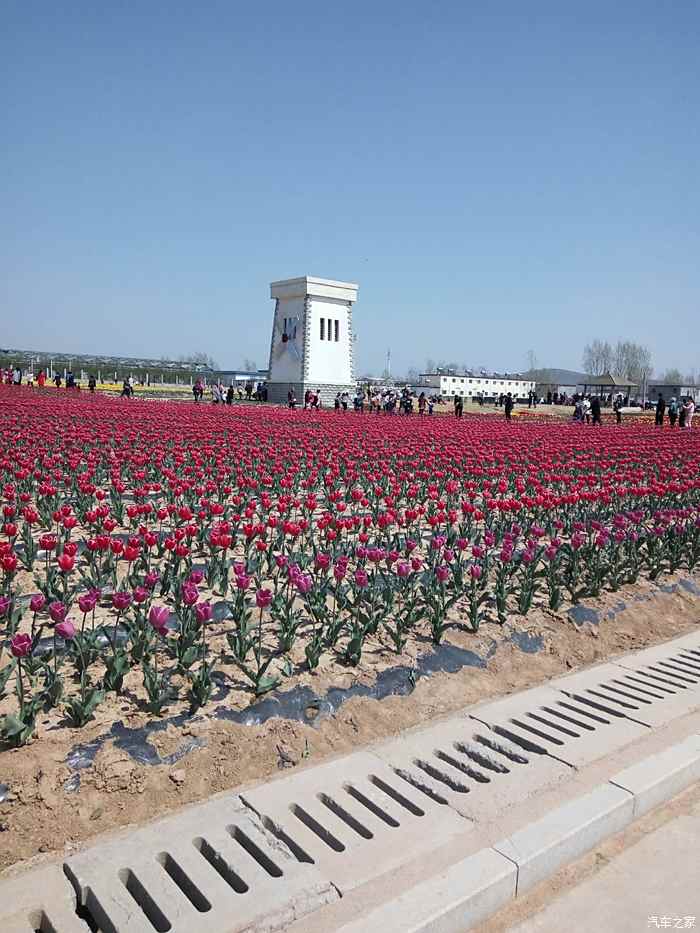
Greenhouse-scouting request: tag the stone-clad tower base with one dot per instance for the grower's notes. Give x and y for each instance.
(312, 340)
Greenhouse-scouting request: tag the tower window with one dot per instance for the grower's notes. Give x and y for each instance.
(337, 331)
(323, 328)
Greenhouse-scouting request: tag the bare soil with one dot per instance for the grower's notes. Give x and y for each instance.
(43, 810)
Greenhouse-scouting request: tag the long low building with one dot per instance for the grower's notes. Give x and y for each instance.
(669, 391)
(472, 385)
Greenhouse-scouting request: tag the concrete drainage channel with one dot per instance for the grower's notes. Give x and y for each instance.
(276, 855)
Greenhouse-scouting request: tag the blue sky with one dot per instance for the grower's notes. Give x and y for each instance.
(497, 177)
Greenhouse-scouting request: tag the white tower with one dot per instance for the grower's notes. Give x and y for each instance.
(312, 340)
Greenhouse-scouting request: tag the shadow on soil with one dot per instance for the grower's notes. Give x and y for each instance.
(302, 704)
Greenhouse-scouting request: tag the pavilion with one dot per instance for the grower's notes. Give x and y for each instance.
(608, 384)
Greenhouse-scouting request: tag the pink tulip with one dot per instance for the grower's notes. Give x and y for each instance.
(21, 645)
(58, 611)
(158, 617)
(66, 630)
(37, 602)
(121, 600)
(203, 612)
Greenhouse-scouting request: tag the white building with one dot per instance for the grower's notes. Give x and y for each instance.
(470, 385)
(312, 339)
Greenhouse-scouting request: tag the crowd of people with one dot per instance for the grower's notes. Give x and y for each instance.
(223, 395)
(382, 399)
(680, 411)
(587, 410)
(13, 375)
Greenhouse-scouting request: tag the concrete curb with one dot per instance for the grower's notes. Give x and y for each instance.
(466, 893)
(425, 832)
(566, 833)
(655, 780)
(475, 888)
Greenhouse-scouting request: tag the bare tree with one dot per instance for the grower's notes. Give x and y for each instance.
(598, 358)
(671, 376)
(412, 375)
(643, 368)
(200, 359)
(632, 361)
(532, 363)
(430, 365)
(249, 365)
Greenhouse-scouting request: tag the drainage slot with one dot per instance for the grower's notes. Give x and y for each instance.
(602, 692)
(662, 682)
(613, 696)
(648, 690)
(538, 732)
(599, 706)
(82, 913)
(88, 909)
(40, 923)
(152, 911)
(553, 725)
(245, 842)
(506, 752)
(480, 758)
(370, 805)
(521, 741)
(184, 882)
(299, 854)
(396, 795)
(323, 834)
(671, 678)
(686, 658)
(651, 686)
(437, 775)
(416, 782)
(463, 767)
(666, 670)
(630, 693)
(575, 722)
(683, 673)
(583, 712)
(346, 817)
(220, 865)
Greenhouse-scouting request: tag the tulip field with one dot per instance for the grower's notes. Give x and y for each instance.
(150, 549)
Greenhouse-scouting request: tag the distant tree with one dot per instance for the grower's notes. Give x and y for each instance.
(532, 360)
(430, 365)
(597, 358)
(249, 365)
(627, 359)
(671, 377)
(199, 359)
(412, 375)
(632, 361)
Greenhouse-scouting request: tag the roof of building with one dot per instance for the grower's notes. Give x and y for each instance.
(552, 376)
(654, 384)
(474, 374)
(607, 379)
